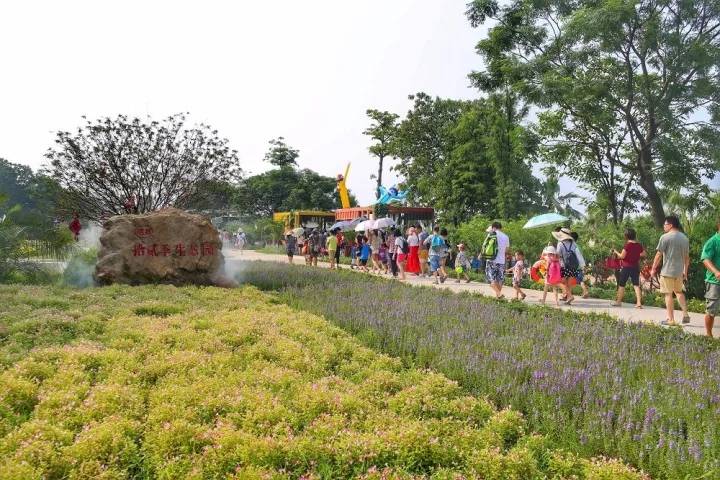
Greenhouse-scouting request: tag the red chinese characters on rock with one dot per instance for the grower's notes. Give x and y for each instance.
(143, 232)
(205, 249)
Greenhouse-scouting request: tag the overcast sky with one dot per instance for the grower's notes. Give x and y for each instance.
(305, 70)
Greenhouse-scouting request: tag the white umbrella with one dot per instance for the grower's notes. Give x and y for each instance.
(384, 223)
(365, 226)
(297, 231)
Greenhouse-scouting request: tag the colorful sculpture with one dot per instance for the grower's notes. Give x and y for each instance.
(390, 195)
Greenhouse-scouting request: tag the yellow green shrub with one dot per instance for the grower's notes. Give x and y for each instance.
(227, 384)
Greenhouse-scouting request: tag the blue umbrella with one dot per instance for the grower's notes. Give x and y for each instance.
(545, 219)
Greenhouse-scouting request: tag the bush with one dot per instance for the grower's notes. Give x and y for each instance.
(596, 385)
(260, 391)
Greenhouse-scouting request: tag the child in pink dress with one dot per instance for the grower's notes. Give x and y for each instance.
(553, 277)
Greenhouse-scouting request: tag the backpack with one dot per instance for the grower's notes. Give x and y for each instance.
(489, 249)
(569, 257)
(405, 247)
(437, 243)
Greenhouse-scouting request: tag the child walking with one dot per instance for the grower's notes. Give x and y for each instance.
(518, 270)
(553, 277)
(462, 264)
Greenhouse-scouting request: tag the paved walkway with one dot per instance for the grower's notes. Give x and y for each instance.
(627, 312)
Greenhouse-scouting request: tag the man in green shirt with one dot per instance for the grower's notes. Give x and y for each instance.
(711, 259)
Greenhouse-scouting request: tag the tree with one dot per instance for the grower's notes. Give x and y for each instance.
(383, 131)
(107, 161)
(653, 64)
(286, 188)
(553, 200)
(37, 195)
(280, 154)
(467, 158)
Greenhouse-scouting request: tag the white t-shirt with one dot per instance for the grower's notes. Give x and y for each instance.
(398, 244)
(413, 240)
(503, 244)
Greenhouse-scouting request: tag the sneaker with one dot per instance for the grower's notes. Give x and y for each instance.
(442, 279)
(668, 323)
(686, 319)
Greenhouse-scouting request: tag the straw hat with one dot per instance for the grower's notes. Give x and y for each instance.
(563, 234)
(549, 250)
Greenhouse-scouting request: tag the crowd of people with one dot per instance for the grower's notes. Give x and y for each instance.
(560, 266)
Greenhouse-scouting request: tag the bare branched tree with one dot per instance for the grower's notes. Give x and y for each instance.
(110, 164)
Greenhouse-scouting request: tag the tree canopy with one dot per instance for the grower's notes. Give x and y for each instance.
(467, 157)
(639, 78)
(107, 161)
(383, 131)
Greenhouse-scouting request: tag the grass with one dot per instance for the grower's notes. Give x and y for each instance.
(593, 384)
(164, 382)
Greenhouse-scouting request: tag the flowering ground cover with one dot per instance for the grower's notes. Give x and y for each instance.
(165, 382)
(592, 384)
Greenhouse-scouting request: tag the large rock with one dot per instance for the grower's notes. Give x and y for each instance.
(168, 246)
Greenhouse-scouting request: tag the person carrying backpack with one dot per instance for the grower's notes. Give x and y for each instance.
(437, 251)
(571, 260)
(497, 243)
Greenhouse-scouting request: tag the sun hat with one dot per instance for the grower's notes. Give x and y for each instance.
(563, 234)
(549, 250)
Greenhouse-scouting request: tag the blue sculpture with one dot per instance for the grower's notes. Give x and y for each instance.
(390, 195)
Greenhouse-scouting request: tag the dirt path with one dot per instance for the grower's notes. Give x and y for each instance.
(627, 312)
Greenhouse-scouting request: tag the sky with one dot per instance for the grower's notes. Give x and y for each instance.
(306, 71)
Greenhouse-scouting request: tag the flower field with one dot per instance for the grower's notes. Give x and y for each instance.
(164, 382)
(592, 384)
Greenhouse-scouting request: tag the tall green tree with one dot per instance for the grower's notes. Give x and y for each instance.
(383, 131)
(280, 154)
(652, 64)
(466, 158)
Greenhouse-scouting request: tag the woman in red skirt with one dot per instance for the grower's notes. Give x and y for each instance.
(413, 262)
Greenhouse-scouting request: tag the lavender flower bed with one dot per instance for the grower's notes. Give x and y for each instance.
(593, 384)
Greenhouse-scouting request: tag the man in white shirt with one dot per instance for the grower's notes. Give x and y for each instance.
(495, 268)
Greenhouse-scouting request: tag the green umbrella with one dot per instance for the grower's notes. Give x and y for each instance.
(545, 219)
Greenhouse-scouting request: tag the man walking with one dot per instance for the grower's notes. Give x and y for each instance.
(495, 267)
(674, 251)
(711, 259)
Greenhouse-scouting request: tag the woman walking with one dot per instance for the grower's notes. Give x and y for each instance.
(570, 260)
(401, 252)
(413, 260)
(630, 256)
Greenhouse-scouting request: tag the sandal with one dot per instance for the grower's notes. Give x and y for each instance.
(616, 304)
(686, 319)
(569, 302)
(523, 296)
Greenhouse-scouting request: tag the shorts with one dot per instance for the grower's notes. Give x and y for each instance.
(401, 257)
(632, 273)
(712, 298)
(579, 276)
(671, 284)
(363, 262)
(290, 252)
(495, 272)
(568, 272)
(434, 263)
(516, 282)
(423, 254)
